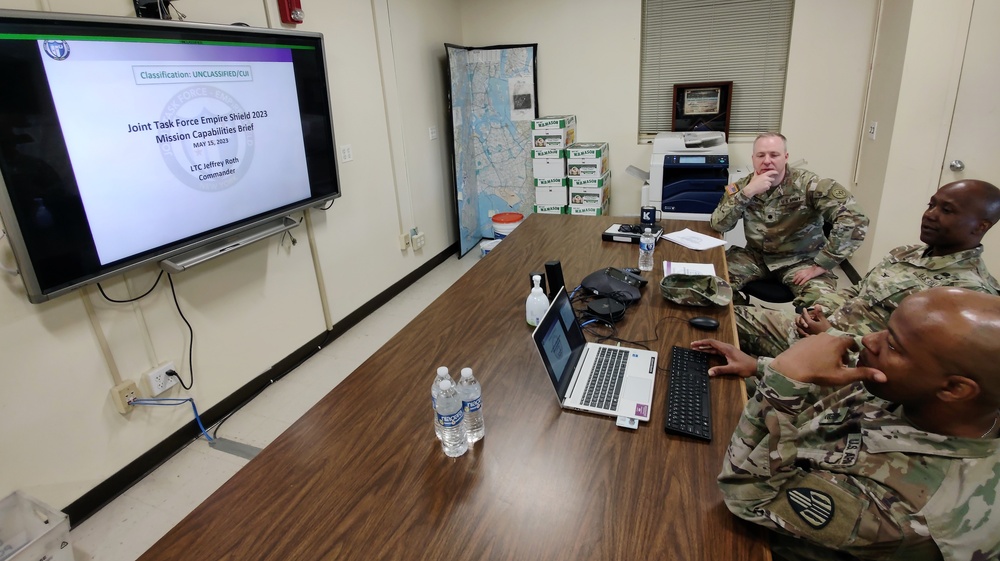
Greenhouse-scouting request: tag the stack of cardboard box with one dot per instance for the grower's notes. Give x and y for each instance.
(588, 178)
(550, 136)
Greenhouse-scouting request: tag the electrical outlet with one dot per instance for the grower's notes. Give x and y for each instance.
(872, 127)
(404, 241)
(418, 241)
(123, 395)
(346, 153)
(157, 380)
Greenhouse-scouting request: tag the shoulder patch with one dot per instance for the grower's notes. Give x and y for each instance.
(732, 189)
(816, 508)
(824, 509)
(839, 193)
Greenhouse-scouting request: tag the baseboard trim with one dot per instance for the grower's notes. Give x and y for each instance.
(112, 487)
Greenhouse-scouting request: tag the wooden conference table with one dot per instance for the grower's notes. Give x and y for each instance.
(361, 475)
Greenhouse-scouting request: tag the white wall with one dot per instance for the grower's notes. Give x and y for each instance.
(420, 66)
(887, 75)
(60, 435)
(915, 83)
(360, 230)
(827, 80)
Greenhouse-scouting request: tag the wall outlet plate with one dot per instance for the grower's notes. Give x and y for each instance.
(123, 394)
(157, 380)
(346, 153)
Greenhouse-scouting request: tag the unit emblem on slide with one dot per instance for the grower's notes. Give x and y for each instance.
(206, 149)
(57, 49)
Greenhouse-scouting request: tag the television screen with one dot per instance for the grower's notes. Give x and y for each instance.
(126, 141)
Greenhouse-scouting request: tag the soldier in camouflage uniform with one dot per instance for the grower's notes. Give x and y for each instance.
(897, 459)
(784, 210)
(957, 217)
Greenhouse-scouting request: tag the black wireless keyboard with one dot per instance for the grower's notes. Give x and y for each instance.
(689, 409)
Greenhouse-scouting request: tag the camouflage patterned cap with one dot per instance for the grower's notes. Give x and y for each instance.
(696, 290)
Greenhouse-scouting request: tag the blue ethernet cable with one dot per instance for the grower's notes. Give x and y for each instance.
(170, 402)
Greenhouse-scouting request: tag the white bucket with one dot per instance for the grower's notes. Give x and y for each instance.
(504, 223)
(487, 246)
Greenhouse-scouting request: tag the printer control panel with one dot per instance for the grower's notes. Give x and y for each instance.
(692, 159)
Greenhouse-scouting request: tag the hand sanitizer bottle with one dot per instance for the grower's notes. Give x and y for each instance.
(537, 303)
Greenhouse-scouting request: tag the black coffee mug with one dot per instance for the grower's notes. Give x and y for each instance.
(647, 215)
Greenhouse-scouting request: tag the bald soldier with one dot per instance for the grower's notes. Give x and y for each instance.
(958, 215)
(895, 459)
(784, 210)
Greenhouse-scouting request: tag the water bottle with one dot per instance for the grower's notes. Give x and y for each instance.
(537, 303)
(647, 242)
(442, 374)
(472, 405)
(450, 417)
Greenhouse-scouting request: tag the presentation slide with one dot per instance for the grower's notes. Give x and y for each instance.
(168, 140)
(556, 349)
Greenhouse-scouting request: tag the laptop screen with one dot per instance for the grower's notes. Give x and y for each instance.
(556, 349)
(560, 342)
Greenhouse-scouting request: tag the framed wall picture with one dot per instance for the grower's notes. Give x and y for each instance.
(702, 107)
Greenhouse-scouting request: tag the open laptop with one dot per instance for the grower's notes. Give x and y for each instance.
(575, 372)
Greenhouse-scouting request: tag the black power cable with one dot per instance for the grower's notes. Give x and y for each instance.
(190, 341)
(144, 294)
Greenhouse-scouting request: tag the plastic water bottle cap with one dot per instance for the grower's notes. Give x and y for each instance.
(648, 231)
(442, 371)
(466, 372)
(445, 384)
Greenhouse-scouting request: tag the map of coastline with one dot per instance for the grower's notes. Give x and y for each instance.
(492, 107)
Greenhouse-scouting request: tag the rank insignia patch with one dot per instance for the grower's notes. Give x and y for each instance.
(815, 507)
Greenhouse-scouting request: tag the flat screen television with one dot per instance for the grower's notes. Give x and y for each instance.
(128, 141)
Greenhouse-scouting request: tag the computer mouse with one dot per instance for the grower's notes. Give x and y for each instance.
(704, 322)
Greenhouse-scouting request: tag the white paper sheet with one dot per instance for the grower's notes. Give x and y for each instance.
(674, 268)
(693, 240)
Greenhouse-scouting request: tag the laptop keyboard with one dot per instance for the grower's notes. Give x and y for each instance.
(689, 409)
(605, 383)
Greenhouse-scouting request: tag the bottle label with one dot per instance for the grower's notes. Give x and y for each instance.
(472, 406)
(453, 420)
(646, 246)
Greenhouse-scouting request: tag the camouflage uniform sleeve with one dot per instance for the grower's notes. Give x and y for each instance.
(762, 363)
(850, 225)
(730, 208)
(976, 284)
(751, 381)
(965, 524)
(833, 300)
(763, 479)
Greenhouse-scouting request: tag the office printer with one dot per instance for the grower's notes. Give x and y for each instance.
(688, 173)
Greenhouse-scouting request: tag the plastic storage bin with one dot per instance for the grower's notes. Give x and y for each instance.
(504, 223)
(32, 531)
